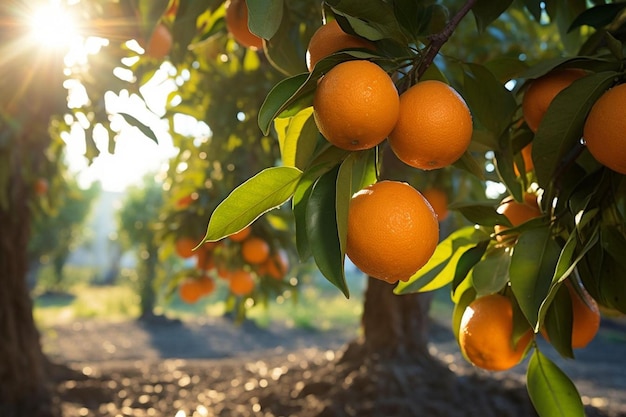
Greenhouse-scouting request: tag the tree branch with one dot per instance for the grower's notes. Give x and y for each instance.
(439, 39)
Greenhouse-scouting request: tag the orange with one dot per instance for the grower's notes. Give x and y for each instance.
(543, 90)
(41, 186)
(486, 334)
(190, 291)
(237, 25)
(206, 285)
(528, 160)
(330, 38)
(275, 266)
(184, 247)
(605, 128)
(356, 105)
(241, 235)
(586, 317)
(434, 126)
(438, 200)
(184, 202)
(392, 231)
(241, 282)
(160, 43)
(517, 212)
(255, 250)
(204, 259)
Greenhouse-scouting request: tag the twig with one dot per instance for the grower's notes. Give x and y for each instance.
(439, 39)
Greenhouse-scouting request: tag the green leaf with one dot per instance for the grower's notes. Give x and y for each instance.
(373, 20)
(264, 17)
(558, 322)
(139, 125)
(284, 50)
(484, 214)
(532, 267)
(465, 300)
(467, 261)
(491, 274)
(491, 104)
(566, 263)
(440, 269)
(321, 222)
(299, 202)
(486, 11)
(469, 164)
(598, 16)
(328, 158)
(279, 98)
(561, 127)
(352, 176)
(265, 191)
(297, 138)
(552, 393)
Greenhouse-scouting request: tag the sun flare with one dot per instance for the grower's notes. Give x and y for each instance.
(52, 26)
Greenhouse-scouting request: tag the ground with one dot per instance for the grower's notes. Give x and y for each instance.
(211, 367)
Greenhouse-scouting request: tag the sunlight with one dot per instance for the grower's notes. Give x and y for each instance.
(52, 26)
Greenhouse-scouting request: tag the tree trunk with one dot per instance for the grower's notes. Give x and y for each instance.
(395, 325)
(23, 388)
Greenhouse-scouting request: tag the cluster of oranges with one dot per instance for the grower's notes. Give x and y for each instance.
(486, 335)
(357, 106)
(604, 127)
(393, 229)
(159, 45)
(253, 257)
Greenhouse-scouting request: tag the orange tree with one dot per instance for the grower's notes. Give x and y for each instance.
(575, 173)
(576, 239)
(137, 222)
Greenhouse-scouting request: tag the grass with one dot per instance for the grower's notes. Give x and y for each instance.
(316, 307)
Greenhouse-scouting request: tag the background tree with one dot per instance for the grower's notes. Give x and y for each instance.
(137, 229)
(60, 230)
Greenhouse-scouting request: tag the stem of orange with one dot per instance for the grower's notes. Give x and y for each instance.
(439, 39)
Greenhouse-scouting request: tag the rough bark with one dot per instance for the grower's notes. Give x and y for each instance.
(23, 391)
(395, 325)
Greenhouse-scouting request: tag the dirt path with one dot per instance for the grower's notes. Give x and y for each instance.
(191, 351)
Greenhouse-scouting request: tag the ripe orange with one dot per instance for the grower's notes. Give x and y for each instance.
(190, 291)
(542, 91)
(241, 235)
(486, 332)
(160, 43)
(206, 285)
(204, 259)
(586, 318)
(184, 247)
(241, 282)
(275, 266)
(438, 200)
(356, 105)
(255, 250)
(434, 126)
(41, 186)
(392, 231)
(330, 38)
(604, 129)
(237, 25)
(528, 160)
(517, 212)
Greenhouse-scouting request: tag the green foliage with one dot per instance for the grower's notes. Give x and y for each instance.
(57, 231)
(234, 174)
(550, 390)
